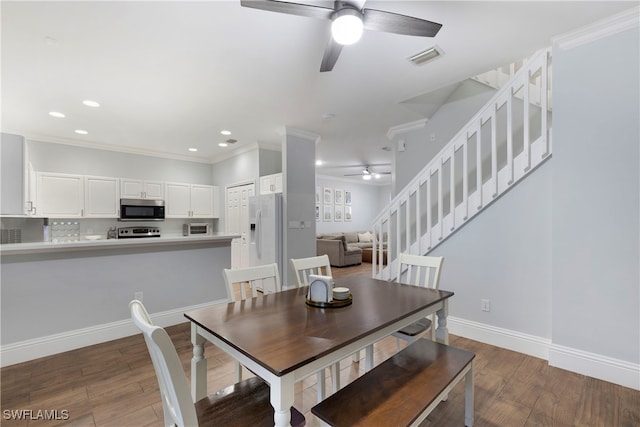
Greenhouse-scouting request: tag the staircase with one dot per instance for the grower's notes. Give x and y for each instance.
(506, 140)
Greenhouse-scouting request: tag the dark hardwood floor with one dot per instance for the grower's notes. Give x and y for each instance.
(113, 384)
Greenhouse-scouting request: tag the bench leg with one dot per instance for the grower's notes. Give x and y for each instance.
(468, 398)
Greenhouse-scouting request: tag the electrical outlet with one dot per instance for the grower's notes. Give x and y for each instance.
(485, 305)
(138, 296)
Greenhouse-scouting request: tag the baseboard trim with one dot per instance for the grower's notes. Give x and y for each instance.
(590, 364)
(500, 337)
(24, 351)
(595, 365)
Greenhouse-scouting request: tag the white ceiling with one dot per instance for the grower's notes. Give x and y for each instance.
(172, 75)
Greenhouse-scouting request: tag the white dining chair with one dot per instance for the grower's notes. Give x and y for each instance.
(264, 277)
(239, 279)
(424, 271)
(302, 269)
(244, 403)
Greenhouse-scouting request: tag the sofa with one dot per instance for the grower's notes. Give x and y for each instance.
(344, 248)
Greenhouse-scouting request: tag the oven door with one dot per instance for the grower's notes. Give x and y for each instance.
(141, 210)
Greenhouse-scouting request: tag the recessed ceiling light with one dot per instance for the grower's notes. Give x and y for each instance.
(56, 114)
(193, 149)
(318, 162)
(81, 132)
(225, 132)
(223, 144)
(90, 103)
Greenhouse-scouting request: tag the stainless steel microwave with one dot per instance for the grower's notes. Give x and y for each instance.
(141, 210)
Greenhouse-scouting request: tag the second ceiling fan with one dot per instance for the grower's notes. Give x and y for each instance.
(348, 22)
(367, 174)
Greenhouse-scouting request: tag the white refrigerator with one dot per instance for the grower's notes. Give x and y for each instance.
(265, 221)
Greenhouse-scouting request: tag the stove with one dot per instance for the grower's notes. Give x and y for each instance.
(138, 232)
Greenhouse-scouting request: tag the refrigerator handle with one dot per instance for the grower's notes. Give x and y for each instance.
(259, 233)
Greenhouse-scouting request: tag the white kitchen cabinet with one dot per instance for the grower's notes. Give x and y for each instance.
(59, 195)
(270, 184)
(191, 201)
(101, 197)
(141, 189)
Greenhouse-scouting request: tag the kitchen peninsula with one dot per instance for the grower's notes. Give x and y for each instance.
(57, 297)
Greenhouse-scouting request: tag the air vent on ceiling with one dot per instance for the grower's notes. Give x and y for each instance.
(231, 141)
(426, 55)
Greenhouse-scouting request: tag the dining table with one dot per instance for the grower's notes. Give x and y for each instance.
(282, 339)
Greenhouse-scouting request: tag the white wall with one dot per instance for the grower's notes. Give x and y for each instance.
(367, 201)
(61, 158)
(463, 103)
(504, 255)
(299, 157)
(559, 254)
(596, 193)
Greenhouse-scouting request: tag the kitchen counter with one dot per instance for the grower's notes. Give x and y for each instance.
(44, 247)
(77, 294)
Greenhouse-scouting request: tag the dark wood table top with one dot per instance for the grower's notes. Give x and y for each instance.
(281, 332)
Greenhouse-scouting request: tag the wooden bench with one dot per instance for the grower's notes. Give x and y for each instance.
(402, 390)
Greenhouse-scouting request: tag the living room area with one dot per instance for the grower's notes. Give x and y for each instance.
(344, 212)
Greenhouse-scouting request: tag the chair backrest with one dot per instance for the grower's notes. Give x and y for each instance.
(176, 397)
(266, 275)
(303, 267)
(420, 270)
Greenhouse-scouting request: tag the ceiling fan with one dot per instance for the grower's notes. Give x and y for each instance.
(367, 174)
(348, 22)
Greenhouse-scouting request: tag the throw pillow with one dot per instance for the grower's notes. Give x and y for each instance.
(364, 237)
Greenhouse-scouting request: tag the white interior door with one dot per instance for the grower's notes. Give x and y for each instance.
(237, 222)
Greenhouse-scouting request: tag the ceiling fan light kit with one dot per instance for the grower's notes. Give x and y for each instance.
(347, 26)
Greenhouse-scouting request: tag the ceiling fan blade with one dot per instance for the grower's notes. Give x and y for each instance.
(290, 8)
(378, 20)
(330, 56)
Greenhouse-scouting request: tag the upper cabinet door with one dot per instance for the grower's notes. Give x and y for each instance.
(270, 184)
(177, 200)
(202, 201)
(59, 195)
(154, 190)
(139, 189)
(101, 197)
(131, 188)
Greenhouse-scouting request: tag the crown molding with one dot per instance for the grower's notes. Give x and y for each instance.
(236, 152)
(614, 24)
(406, 127)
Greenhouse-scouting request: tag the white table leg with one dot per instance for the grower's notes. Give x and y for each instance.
(368, 358)
(468, 397)
(198, 366)
(335, 376)
(282, 395)
(320, 385)
(442, 333)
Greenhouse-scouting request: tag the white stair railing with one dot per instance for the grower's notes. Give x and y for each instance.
(508, 138)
